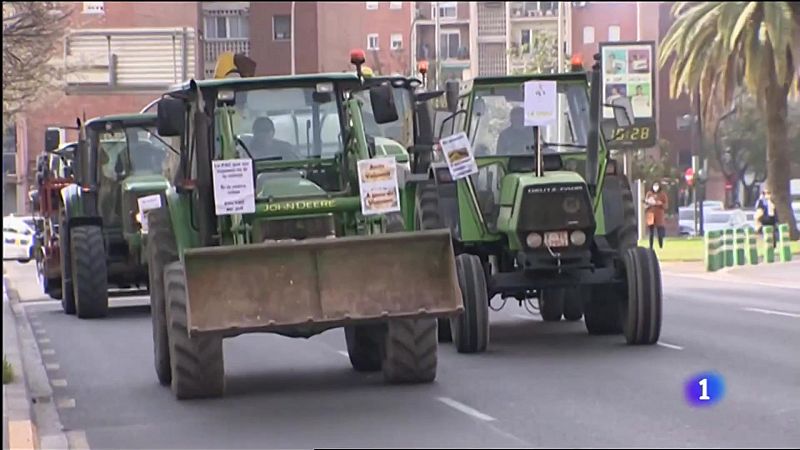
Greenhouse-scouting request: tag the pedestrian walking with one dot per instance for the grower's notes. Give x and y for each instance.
(656, 202)
(767, 214)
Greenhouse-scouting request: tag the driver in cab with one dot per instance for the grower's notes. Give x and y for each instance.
(517, 138)
(264, 144)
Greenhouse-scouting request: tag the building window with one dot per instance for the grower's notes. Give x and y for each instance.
(10, 151)
(450, 43)
(613, 33)
(395, 5)
(226, 27)
(372, 6)
(525, 41)
(282, 28)
(588, 35)
(372, 42)
(397, 41)
(94, 8)
(447, 10)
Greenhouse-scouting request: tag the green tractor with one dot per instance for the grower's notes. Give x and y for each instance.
(564, 234)
(119, 159)
(289, 246)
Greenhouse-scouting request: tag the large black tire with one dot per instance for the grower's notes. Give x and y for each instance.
(429, 218)
(198, 368)
(573, 303)
(54, 289)
(410, 352)
(603, 315)
(67, 292)
(365, 346)
(471, 328)
(162, 250)
(641, 314)
(89, 270)
(551, 304)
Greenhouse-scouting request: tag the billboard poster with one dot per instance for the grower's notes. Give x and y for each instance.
(628, 91)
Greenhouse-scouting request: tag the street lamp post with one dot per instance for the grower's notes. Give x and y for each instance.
(292, 33)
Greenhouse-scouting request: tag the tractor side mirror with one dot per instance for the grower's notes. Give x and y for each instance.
(171, 117)
(52, 139)
(383, 106)
(451, 95)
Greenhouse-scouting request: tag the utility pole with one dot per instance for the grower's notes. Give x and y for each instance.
(437, 44)
(292, 33)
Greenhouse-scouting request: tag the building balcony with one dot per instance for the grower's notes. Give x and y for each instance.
(533, 10)
(212, 48)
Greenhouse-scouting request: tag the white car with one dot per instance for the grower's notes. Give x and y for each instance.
(686, 216)
(721, 220)
(18, 239)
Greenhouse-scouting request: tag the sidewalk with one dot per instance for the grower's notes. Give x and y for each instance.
(777, 275)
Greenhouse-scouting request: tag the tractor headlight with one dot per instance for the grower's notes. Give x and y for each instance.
(534, 240)
(577, 238)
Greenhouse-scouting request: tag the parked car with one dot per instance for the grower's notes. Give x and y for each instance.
(720, 220)
(686, 217)
(18, 239)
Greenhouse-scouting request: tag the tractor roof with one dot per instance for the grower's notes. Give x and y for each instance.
(518, 79)
(125, 119)
(285, 80)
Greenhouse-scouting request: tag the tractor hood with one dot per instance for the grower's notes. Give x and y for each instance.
(144, 183)
(389, 147)
(289, 184)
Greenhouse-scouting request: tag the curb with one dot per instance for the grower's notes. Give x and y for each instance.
(33, 421)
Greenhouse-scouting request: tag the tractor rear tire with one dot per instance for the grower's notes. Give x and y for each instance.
(429, 218)
(471, 328)
(67, 292)
(198, 368)
(641, 314)
(573, 303)
(90, 273)
(365, 346)
(162, 250)
(410, 352)
(54, 289)
(551, 304)
(602, 315)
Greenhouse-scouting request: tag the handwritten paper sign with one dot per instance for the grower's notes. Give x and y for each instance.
(146, 204)
(233, 187)
(377, 179)
(541, 103)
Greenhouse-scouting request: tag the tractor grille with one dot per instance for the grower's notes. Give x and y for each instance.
(555, 207)
(296, 228)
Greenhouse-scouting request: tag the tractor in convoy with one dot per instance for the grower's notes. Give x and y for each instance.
(283, 217)
(118, 159)
(557, 225)
(53, 173)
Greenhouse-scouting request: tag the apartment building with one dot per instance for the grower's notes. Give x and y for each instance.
(118, 56)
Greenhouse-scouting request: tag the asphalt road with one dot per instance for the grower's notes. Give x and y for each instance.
(541, 384)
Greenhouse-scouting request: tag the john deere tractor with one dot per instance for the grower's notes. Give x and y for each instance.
(118, 159)
(304, 257)
(560, 230)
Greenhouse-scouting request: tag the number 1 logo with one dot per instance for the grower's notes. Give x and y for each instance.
(704, 389)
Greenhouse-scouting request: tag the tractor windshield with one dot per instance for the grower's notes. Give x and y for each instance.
(286, 124)
(497, 123)
(129, 151)
(400, 130)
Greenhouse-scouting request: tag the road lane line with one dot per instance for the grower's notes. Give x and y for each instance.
(59, 382)
(65, 403)
(665, 345)
(44, 341)
(343, 353)
(48, 351)
(772, 312)
(40, 331)
(465, 409)
(52, 366)
(26, 304)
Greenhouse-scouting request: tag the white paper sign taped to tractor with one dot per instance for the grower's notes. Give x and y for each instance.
(458, 153)
(147, 203)
(541, 103)
(233, 187)
(377, 180)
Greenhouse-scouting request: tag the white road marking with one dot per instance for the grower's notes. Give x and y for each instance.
(52, 366)
(44, 341)
(674, 347)
(40, 331)
(48, 351)
(59, 382)
(465, 409)
(343, 353)
(65, 403)
(40, 303)
(769, 311)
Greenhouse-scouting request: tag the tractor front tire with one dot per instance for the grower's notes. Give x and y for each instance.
(471, 328)
(365, 346)
(198, 368)
(429, 218)
(410, 352)
(602, 315)
(641, 314)
(162, 250)
(67, 292)
(89, 270)
(573, 303)
(551, 304)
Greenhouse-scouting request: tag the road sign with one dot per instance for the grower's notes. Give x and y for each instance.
(689, 176)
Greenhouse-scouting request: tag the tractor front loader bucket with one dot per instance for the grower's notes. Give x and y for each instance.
(327, 282)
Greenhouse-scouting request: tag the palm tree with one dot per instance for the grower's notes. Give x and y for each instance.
(719, 46)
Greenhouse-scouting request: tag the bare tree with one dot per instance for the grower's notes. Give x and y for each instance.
(32, 32)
